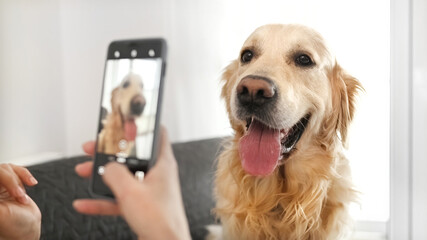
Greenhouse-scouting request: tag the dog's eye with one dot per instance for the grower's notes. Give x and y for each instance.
(247, 56)
(126, 84)
(303, 60)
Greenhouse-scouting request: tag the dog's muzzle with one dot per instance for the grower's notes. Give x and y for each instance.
(256, 96)
(137, 105)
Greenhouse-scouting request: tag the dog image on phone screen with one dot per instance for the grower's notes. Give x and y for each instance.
(283, 174)
(119, 128)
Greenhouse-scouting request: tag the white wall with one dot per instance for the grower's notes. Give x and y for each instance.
(419, 119)
(31, 96)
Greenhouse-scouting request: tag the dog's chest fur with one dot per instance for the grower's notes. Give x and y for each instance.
(298, 206)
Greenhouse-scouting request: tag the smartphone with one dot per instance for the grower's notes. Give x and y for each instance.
(129, 118)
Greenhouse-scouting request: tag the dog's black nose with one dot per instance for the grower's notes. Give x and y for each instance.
(137, 105)
(254, 90)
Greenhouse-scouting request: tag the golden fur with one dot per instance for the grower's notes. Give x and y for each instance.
(307, 195)
(113, 127)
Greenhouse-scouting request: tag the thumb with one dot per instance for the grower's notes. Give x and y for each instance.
(120, 180)
(165, 149)
(166, 162)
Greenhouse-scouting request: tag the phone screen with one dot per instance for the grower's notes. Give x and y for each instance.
(129, 108)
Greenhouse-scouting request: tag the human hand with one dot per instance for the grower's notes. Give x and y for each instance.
(20, 218)
(153, 208)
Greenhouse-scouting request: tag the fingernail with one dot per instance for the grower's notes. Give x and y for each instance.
(33, 180)
(76, 204)
(23, 199)
(19, 192)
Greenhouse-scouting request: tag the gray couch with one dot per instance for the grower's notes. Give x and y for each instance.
(59, 186)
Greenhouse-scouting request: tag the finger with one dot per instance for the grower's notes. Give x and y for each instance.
(10, 181)
(166, 153)
(120, 180)
(96, 207)
(24, 174)
(166, 163)
(84, 169)
(89, 148)
(165, 146)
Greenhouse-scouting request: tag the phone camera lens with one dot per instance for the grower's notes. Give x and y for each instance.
(133, 53)
(151, 53)
(116, 54)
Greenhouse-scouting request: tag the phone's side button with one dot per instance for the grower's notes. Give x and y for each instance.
(164, 69)
(101, 170)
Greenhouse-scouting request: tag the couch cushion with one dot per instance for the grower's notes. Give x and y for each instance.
(59, 186)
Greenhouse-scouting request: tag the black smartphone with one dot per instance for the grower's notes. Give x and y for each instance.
(129, 118)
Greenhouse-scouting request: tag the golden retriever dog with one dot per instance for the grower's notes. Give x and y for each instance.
(283, 174)
(120, 130)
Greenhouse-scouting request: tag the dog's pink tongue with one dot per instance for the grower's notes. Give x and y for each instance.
(130, 130)
(260, 149)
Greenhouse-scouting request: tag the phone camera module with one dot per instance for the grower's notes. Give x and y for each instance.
(151, 53)
(117, 54)
(133, 53)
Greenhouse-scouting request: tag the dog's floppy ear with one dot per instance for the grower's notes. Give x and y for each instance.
(116, 116)
(345, 89)
(228, 79)
(114, 104)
